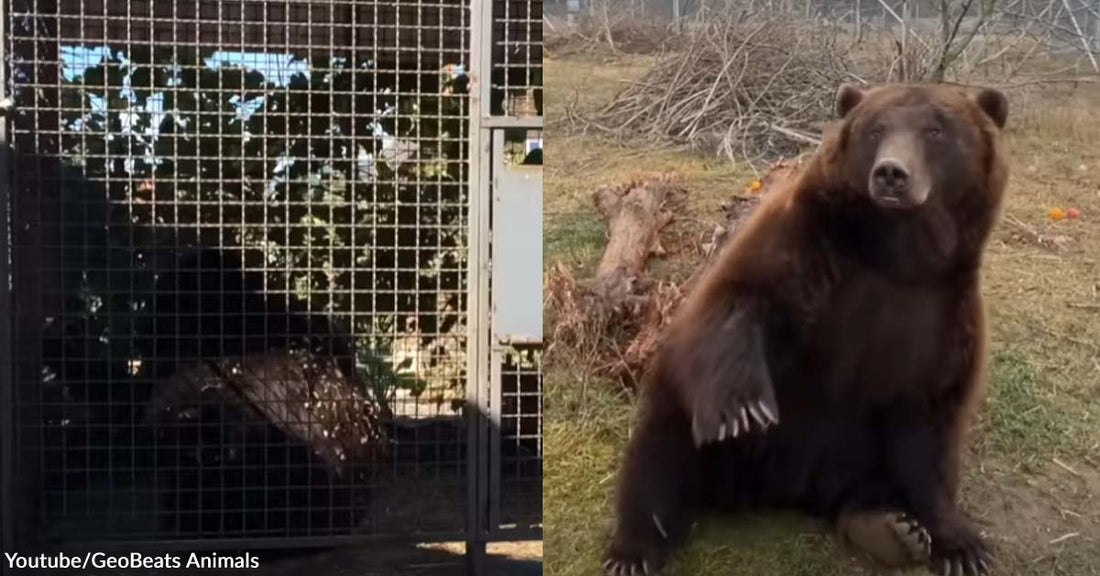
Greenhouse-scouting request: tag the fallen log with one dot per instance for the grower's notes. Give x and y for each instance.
(618, 317)
(589, 313)
(635, 215)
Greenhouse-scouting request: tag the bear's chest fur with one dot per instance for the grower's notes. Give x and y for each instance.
(873, 339)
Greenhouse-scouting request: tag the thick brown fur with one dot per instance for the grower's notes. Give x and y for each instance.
(833, 357)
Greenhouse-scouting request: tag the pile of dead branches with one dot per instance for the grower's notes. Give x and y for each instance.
(750, 85)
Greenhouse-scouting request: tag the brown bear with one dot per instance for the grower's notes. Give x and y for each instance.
(832, 357)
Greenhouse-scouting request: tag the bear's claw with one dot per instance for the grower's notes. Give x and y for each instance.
(736, 421)
(622, 567)
(969, 558)
(629, 557)
(969, 566)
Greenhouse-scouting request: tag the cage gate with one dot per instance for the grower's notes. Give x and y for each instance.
(247, 249)
(507, 174)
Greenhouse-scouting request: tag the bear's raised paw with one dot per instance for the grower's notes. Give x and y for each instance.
(733, 418)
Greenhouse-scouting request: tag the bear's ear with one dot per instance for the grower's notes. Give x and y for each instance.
(847, 97)
(994, 104)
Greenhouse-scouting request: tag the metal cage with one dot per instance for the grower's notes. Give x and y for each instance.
(247, 244)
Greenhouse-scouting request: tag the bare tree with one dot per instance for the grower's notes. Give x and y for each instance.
(972, 35)
(953, 45)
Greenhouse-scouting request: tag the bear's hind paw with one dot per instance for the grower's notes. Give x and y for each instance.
(913, 537)
(890, 538)
(628, 558)
(961, 556)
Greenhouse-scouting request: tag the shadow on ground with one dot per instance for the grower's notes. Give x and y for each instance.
(447, 559)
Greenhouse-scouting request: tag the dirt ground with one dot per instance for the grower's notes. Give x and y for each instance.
(1032, 480)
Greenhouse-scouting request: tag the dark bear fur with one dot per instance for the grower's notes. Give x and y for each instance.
(833, 357)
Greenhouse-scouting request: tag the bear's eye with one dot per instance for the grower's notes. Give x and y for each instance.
(876, 133)
(934, 132)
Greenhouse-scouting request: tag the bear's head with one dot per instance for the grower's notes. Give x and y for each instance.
(907, 145)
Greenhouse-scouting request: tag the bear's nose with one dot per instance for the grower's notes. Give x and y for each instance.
(890, 177)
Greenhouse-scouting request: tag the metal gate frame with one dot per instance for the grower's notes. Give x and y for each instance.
(484, 354)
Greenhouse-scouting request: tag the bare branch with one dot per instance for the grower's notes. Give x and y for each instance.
(1084, 39)
(796, 135)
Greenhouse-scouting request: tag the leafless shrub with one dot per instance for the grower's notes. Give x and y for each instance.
(989, 41)
(953, 43)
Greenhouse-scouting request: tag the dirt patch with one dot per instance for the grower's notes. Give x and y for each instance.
(1042, 523)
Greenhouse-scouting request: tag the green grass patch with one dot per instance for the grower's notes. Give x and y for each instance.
(588, 426)
(1027, 417)
(575, 239)
(585, 430)
(764, 545)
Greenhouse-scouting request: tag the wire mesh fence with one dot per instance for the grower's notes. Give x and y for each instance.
(517, 58)
(520, 502)
(240, 265)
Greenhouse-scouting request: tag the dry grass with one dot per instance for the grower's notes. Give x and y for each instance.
(1047, 296)
(1033, 478)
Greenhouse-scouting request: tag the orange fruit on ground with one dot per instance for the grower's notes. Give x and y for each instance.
(1057, 214)
(756, 185)
(1073, 213)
